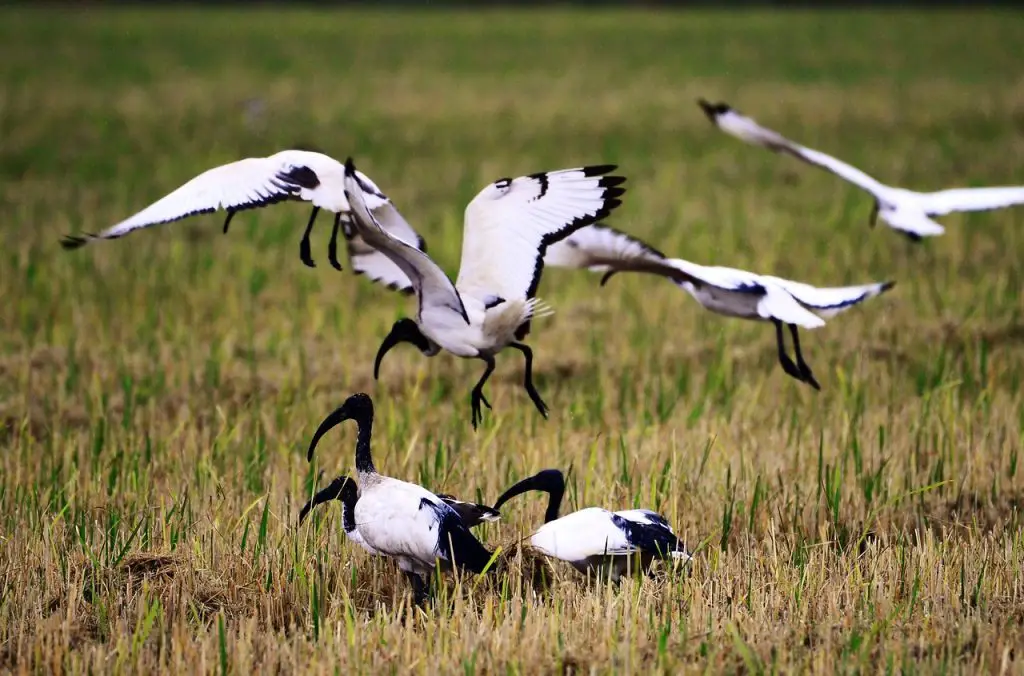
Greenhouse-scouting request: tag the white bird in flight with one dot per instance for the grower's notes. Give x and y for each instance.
(260, 181)
(726, 291)
(905, 211)
(508, 227)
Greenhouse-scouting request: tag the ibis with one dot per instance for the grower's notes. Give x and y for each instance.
(402, 520)
(725, 291)
(906, 211)
(508, 227)
(595, 539)
(258, 182)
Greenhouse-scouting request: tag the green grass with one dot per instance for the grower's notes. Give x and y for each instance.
(158, 392)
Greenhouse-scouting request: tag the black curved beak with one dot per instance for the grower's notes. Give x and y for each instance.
(390, 341)
(332, 492)
(336, 417)
(606, 276)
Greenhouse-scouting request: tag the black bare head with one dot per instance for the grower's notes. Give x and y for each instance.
(342, 489)
(550, 481)
(358, 407)
(713, 110)
(405, 330)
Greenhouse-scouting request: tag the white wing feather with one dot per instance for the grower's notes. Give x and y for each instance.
(599, 248)
(246, 184)
(827, 302)
(971, 199)
(433, 287)
(510, 224)
(366, 260)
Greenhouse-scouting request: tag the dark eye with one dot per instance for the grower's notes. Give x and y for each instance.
(503, 183)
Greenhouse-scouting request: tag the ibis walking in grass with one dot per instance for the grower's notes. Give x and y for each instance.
(344, 490)
(726, 291)
(399, 519)
(508, 227)
(905, 211)
(596, 539)
(260, 181)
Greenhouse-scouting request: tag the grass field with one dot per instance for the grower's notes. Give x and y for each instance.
(158, 392)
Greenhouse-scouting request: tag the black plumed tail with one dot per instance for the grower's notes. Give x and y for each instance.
(461, 547)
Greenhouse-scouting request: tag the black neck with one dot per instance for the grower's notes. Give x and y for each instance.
(554, 503)
(364, 460)
(548, 481)
(358, 407)
(348, 513)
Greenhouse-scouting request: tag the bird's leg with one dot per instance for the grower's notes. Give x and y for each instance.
(787, 364)
(528, 379)
(419, 589)
(477, 396)
(304, 253)
(873, 219)
(227, 221)
(332, 248)
(805, 370)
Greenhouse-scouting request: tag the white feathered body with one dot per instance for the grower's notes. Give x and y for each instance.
(593, 539)
(391, 520)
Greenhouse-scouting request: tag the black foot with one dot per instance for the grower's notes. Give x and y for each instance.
(332, 248)
(305, 254)
(477, 397)
(807, 376)
(790, 368)
(420, 594)
(805, 370)
(528, 379)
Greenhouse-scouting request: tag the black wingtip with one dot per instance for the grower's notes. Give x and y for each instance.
(886, 286)
(71, 242)
(612, 181)
(599, 169)
(350, 167)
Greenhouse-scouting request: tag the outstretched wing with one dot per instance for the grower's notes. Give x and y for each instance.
(747, 129)
(368, 261)
(431, 284)
(246, 184)
(971, 199)
(599, 248)
(827, 302)
(730, 290)
(510, 224)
